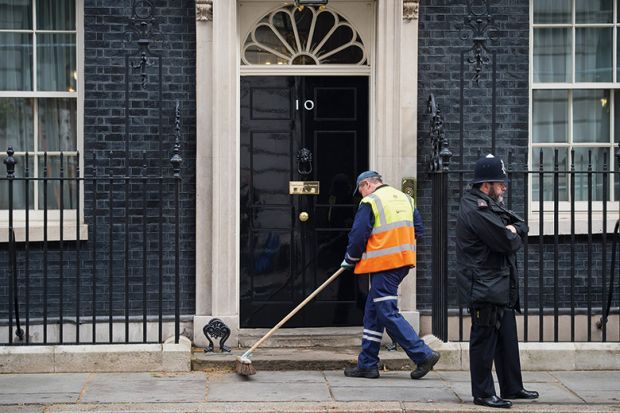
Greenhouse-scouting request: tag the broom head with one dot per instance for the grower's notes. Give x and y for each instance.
(244, 367)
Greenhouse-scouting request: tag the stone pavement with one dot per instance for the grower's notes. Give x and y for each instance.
(292, 391)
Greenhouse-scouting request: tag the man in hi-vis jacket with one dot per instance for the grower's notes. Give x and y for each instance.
(488, 237)
(382, 244)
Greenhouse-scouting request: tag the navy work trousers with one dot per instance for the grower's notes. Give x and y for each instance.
(381, 312)
(487, 344)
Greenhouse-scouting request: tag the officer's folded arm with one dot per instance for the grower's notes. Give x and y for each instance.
(495, 235)
(522, 228)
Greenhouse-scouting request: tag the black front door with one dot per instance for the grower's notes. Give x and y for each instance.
(300, 129)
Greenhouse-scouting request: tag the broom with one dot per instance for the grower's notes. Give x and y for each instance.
(243, 365)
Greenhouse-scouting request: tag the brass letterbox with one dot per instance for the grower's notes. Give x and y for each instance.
(303, 187)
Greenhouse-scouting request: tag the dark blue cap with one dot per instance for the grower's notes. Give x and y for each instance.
(365, 175)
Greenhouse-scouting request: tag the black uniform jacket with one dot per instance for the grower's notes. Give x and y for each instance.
(486, 252)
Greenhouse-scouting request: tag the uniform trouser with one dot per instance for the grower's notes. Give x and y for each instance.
(488, 344)
(381, 312)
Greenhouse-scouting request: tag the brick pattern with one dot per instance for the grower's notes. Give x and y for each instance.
(105, 133)
(442, 24)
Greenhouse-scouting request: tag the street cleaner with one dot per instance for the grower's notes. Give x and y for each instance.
(382, 244)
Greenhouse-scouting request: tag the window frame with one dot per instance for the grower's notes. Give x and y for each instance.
(36, 215)
(581, 207)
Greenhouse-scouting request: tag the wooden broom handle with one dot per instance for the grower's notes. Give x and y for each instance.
(296, 309)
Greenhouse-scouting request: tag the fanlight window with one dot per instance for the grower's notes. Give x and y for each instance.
(303, 36)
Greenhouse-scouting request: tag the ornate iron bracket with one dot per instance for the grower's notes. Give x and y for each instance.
(304, 161)
(216, 329)
(440, 158)
(141, 65)
(145, 27)
(482, 28)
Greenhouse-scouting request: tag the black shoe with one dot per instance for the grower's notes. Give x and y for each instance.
(492, 401)
(522, 394)
(365, 373)
(421, 370)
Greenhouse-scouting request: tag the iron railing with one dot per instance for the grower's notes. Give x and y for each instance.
(565, 271)
(121, 284)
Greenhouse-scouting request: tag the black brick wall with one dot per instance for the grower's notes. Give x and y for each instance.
(105, 134)
(443, 37)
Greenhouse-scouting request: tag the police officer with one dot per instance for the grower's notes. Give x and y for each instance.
(382, 244)
(487, 239)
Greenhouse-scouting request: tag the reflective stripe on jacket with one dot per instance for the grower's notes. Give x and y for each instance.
(392, 241)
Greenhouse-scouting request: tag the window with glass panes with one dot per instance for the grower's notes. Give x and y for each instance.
(39, 96)
(575, 101)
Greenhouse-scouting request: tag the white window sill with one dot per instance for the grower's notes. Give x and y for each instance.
(564, 223)
(35, 231)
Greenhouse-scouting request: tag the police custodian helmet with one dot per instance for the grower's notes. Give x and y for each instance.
(489, 169)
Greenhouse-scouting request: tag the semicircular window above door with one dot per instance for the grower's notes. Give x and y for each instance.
(303, 36)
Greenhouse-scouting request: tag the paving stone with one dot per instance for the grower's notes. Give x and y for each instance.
(146, 387)
(549, 393)
(463, 389)
(23, 409)
(528, 376)
(42, 383)
(600, 396)
(456, 376)
(38, 398)
(234, 407)
(393, 393)
(41, 388)
(387, 379)
(538, 377)
(269, 377)
(589, 380)
(284, 392)
(554, 393)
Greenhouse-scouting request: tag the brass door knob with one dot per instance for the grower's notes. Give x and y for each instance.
(303, 216)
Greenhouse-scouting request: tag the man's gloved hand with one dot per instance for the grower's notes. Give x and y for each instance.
(344, 264)
(522, 228)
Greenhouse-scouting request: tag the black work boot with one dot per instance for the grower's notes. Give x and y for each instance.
(358, 372)
(422, 369)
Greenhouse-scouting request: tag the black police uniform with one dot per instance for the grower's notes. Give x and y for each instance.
(487, 283)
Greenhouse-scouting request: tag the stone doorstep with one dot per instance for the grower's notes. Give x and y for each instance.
(169, 357)
(454, 356)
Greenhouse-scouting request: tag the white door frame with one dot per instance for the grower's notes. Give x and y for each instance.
(393, 137)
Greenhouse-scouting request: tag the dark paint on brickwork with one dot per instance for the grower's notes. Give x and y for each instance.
(443, 37)
(440, 46)
(106, 44)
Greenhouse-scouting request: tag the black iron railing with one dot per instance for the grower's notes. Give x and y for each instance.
(566, 271)
(60, 288)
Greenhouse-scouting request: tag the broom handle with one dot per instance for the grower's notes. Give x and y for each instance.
(296, 309)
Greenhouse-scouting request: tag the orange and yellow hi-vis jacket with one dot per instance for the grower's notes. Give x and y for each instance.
(392, 241)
